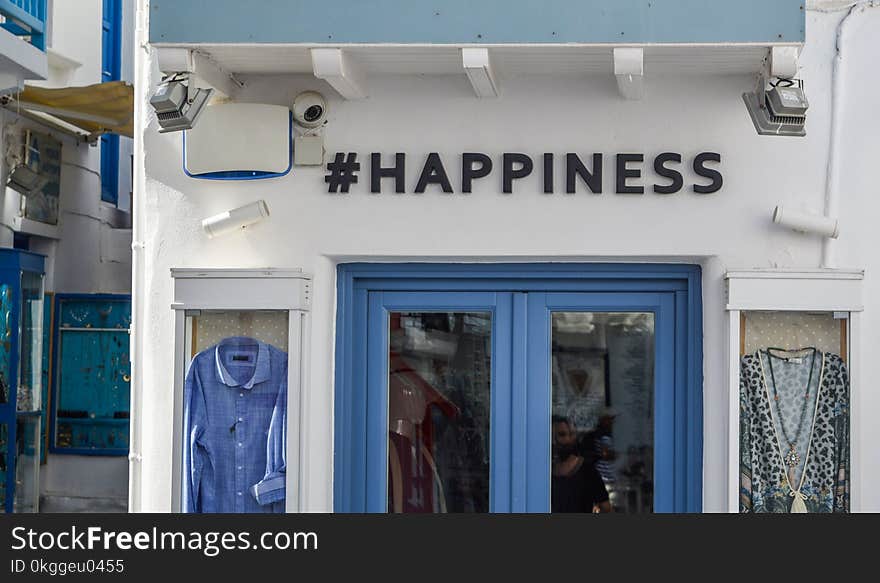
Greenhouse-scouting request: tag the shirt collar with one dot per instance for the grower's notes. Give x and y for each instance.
(261, 368)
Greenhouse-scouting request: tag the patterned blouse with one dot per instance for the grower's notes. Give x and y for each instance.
(823, 442)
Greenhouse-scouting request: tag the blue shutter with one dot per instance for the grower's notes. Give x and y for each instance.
(111, 51)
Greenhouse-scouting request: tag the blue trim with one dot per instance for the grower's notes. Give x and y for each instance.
(111, 70)
(10, 415)
(56, 374)
(519, 478)
(110, 168)
(12, 263)
(520, 417)
(487, 21)
(29, 19)
(245, 174)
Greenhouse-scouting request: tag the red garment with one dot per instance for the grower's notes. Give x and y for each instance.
(411, 437)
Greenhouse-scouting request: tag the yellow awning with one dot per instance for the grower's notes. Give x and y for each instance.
(95, 109)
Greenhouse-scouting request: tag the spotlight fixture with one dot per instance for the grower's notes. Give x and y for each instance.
(780, 109)
(177, 105)
(236, 219)
(806, 222)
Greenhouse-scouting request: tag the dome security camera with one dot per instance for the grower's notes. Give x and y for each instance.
(309, 109)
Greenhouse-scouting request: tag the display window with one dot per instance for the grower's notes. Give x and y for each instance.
(794, 412)
(27, 472)
(235, 412)
(4, 464)
(238, 378)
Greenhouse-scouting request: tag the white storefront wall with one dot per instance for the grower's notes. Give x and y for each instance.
(309, 228)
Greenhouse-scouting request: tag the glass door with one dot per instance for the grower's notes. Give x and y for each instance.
(601, 399)
(434, 407)
(518, 395)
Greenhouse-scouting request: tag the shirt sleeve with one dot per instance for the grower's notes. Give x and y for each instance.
(194, 421)
(272, 487)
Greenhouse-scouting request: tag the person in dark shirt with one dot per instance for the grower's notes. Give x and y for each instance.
(575, 485)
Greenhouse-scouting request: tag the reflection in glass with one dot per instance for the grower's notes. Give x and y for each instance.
(603, 411)
(6, 309)
(4, 448)
(30, 377)
(438, 413)
(27, 463)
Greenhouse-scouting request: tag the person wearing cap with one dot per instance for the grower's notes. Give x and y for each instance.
(598, 446)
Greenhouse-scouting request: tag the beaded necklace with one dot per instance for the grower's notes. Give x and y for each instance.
(792, 459)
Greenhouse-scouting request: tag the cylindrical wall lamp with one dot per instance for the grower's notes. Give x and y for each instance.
(807, 222)
(235, 219)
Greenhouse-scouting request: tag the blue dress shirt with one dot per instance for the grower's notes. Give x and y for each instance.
(235, 428)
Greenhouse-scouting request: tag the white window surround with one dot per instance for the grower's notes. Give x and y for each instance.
(241, 289)
(820, 290)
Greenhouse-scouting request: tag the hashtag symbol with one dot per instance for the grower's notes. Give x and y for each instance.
(342, 172)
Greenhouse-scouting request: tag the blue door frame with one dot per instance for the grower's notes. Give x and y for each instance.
(520, 297)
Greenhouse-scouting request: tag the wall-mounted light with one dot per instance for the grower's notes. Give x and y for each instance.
(235, 219)
(805, 222)
(177, 104)
(780, 110)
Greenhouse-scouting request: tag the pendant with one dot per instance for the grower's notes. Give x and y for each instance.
(792, 458)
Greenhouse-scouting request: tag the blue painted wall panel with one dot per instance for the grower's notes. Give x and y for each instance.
(484, 21)
(90, 404)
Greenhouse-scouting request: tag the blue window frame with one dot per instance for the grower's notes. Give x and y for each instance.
(520, 298)
(111, 64)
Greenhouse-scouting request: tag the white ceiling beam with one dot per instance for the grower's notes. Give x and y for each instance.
(336, 68)
(784, 62)
(478, 66)
(200, 65)
(629, 68)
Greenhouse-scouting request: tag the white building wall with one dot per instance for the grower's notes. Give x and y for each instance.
(312, 229)
(90, 255)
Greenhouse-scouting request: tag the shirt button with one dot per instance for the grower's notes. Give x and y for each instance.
(240, 420)
(239, 493)
(239, 444)
(240, 467)
(241, 394)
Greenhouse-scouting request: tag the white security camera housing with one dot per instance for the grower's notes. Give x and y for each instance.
(309, 109)
(236, 219)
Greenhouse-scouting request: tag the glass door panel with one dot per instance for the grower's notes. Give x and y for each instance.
(602, 395)
(432, 442)
(439, 366)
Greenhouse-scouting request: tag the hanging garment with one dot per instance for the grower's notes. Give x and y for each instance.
(415, 483)
(235, 417)
(794, 432)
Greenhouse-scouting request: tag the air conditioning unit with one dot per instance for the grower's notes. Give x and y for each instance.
(239, 141)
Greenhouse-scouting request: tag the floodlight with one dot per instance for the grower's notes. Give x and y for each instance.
(177, 105)
(780, 110)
